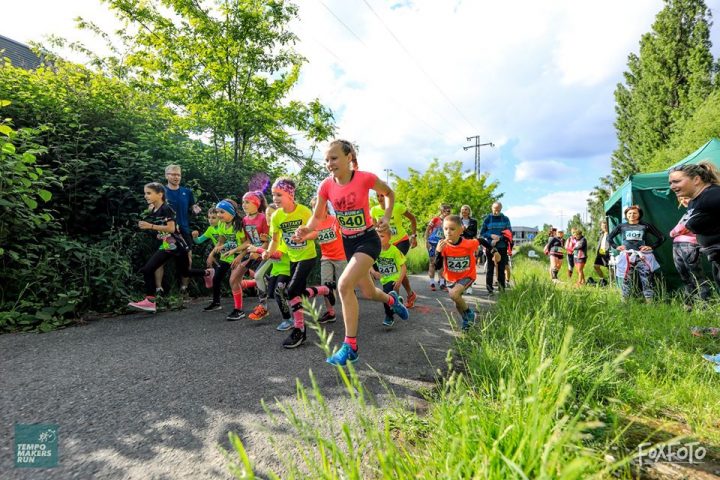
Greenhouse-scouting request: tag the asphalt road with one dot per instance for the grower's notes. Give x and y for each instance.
(153, 396)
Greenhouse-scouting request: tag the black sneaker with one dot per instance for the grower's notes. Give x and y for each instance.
(326, 318)
(331, 296)
(159, 292)
(212, 307)
(297, 337)
(235, 315)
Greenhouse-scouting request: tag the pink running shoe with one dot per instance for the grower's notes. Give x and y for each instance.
(209, 278)
(145, 305)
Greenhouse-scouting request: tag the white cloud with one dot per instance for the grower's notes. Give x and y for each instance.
(555, 208)
(547, 171)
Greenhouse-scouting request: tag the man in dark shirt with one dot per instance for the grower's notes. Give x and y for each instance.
(181, 200)
(491, 231)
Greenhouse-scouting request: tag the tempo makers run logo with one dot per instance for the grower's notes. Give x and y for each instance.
(36, 445)
(691, 453)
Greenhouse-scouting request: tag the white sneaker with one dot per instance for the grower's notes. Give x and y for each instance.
(468, 291)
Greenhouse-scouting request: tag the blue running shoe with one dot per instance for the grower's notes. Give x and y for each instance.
(342, 356)
(712, 358)
(399, 307)
(389, 321)
(285, 325)
(468, 320)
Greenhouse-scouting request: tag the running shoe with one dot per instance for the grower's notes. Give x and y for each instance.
(468, 291)
(398, 306)
(285, 325)
(468, 320)
(209, 278)
(212, 307)
(712, 358)
(410, 302)
(326, 318)
(443, 286)
(432, 287)
(343, 356)
(297, 337)
(235, 315)
(259, 313)
(159, 292)
(145, 305)
(389, 321)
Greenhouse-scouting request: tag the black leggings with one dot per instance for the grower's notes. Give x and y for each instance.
(299, 272)
(160, 258)
(277, 284)
(219, 278)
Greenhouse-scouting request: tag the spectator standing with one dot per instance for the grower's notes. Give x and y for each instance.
(491, 231)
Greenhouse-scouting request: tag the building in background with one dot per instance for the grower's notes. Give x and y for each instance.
(20, 55)
(523, 234)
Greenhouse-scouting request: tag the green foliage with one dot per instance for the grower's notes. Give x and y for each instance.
(228, 69)
(447, 183)
(664, 85)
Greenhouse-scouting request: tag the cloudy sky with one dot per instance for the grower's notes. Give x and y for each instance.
(410, 80)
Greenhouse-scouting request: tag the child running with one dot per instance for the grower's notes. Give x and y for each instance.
(553, 249)
(391, 271)
(273, 275)
(161, 218)
(400, 237)
(347, 189)
(230, 238)
(579, 255)
(285, 222)
(211, 233)
(458, 256)
(256, 230)
(433, 234)
(332, 261)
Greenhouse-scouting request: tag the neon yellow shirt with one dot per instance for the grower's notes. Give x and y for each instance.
(396, 225)
(389, 264)
(285, 224)
(282, 266)
(233, 238)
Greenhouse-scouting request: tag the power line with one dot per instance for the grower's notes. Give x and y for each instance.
(366, 46)
(388, 97)
(419, 66)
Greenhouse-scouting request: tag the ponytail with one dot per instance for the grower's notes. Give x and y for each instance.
(706, 170)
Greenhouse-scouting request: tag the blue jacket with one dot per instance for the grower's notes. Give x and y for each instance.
(494, 225)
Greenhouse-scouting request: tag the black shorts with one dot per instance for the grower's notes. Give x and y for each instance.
(403, 246)
(367, 242)
(602, 260)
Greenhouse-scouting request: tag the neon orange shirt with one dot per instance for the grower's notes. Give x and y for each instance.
(350, 201)
(330, 239)
(459, 260)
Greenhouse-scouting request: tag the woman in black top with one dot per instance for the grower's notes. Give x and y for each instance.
(470, 225)
(553, 249)
(701, 183)
(636, 251)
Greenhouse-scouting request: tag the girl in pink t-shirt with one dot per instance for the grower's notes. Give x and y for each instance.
(347, 188)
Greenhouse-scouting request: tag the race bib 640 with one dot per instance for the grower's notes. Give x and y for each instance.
(351, 219)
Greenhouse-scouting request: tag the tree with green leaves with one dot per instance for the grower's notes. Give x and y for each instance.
(423, 192)
(226, 67)
(665, 83)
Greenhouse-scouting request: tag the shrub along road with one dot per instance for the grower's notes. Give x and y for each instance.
(152, 396)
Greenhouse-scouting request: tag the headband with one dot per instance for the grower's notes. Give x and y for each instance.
(284, 186)
(252, 197)
(227, 206)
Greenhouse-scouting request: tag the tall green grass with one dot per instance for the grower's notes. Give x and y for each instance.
(554, 382)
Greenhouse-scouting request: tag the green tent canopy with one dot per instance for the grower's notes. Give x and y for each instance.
(660, 206)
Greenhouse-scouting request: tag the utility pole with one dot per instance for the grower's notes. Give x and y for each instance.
(387, 175)
(477, 146)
